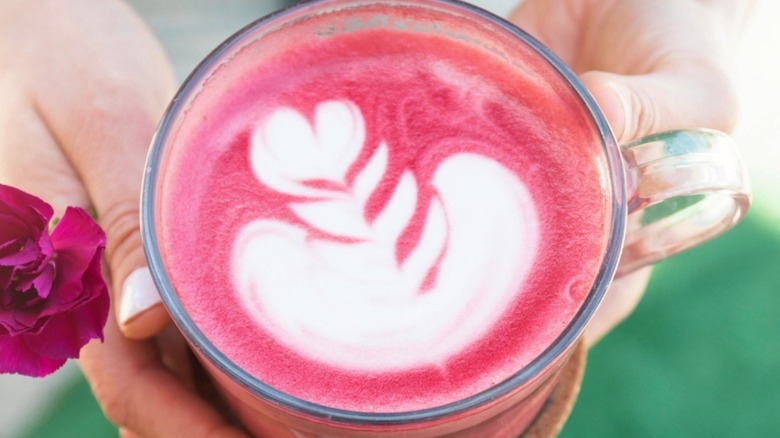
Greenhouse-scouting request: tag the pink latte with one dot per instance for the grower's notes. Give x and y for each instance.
(382, 221)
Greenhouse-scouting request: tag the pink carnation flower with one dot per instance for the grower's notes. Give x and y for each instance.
(53, 298)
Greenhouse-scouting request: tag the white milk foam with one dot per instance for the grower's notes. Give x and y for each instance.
(347, 301)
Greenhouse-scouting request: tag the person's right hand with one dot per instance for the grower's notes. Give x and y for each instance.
(82, 86)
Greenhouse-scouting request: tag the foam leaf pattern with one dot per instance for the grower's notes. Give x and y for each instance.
(345, 299)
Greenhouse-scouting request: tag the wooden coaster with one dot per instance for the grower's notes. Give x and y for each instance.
(550, 421)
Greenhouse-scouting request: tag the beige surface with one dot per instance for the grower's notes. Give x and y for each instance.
(187, 35)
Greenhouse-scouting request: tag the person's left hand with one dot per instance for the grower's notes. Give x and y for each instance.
(652, 66)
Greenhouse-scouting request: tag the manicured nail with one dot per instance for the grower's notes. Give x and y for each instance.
(139, 294)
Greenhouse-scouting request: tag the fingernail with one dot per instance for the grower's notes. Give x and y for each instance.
(139, 294)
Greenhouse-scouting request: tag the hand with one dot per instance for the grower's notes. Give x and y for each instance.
(652, 66)
(83, 84)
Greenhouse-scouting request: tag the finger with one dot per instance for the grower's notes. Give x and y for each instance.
(32, 161)
(140, 312)
(674, 96)
(104, 115)
(620, 301)
(678, 96)
(137, 393)
(554, 23)
(176, 355)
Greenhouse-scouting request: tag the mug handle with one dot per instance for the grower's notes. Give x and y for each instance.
(684, 187)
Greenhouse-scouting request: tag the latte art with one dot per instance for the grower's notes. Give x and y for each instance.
(379, 220)
(332, 287)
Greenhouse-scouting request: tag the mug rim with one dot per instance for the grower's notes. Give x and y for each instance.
(198, 340)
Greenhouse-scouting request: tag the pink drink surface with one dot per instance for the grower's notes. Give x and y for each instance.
(383, 221)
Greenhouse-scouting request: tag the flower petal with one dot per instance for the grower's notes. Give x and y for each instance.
(54, 298)
(65, 333)
(77, 228)
(13, 225)
(19, 200)
(21, 320)
(6, 278)
(17, 357)
(79, 243)
(23, 210)
(19, 252)
(43, 282)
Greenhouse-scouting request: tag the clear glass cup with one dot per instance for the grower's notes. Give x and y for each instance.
(668, 192)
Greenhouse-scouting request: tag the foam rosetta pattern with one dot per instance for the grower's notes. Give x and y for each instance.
(360, 291)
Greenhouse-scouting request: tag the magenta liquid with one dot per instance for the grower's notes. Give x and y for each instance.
(383, 221)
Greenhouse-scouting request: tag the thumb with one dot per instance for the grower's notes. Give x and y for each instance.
(104, 117)
(675, 98)
(113, 176)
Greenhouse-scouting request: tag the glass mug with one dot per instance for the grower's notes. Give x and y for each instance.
(665, 193)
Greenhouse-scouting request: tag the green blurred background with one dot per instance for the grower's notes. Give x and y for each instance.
(699, 357)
